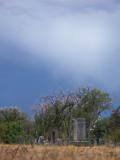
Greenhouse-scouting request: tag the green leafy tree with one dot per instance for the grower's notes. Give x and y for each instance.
(92, 104)
(13, 125)
(101, 130)
(12, 114)
(11, 132)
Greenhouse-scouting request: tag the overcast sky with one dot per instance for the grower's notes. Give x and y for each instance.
(50, 45)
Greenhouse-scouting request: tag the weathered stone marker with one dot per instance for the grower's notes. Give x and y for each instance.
(79, 129)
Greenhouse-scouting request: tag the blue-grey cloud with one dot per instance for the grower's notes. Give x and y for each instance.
(77, 37)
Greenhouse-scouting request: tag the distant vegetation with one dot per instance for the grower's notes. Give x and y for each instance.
(57, 111)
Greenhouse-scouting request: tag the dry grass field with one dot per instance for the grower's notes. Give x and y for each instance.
(21, 152)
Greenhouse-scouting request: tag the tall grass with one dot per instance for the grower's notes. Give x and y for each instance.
(22, 152)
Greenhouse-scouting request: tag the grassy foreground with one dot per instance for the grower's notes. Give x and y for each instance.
(20, 152)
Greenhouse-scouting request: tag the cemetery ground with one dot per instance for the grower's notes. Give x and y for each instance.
(28, 152)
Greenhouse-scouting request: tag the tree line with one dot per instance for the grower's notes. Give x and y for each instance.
(57, 112)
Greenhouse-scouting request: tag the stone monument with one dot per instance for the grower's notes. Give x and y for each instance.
(79, 129)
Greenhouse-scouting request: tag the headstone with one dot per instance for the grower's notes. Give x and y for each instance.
(79, 129)
(75, 127)
(41, 140)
